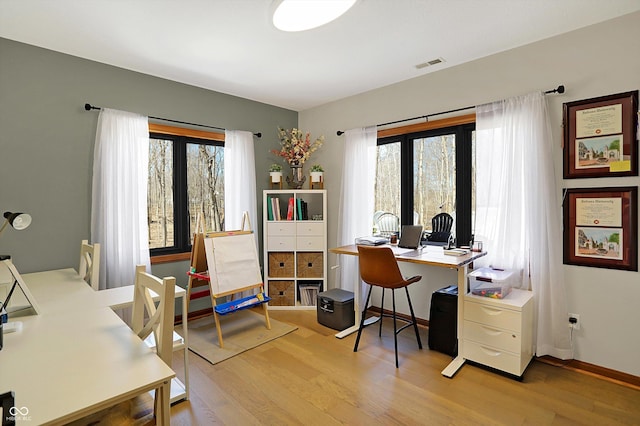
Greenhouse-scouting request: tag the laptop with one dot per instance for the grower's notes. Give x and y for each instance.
(409, 239)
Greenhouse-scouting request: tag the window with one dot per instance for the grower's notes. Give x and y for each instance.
(425, 172)
(186, 178)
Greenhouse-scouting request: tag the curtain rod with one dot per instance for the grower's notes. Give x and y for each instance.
(89, 107)
(559, 89)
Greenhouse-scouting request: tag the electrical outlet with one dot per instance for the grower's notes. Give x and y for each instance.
(574, 324)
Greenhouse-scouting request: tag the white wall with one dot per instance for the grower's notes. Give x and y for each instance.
(596, 61)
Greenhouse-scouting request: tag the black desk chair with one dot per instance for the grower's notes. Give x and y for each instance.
(379, 267)
(440, 228)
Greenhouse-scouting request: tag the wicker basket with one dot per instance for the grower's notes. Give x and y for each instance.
(310, 264)
(281, 264)
(282, 293)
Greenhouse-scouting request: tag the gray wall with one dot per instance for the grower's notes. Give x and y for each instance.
(591, 62)
(47, 138)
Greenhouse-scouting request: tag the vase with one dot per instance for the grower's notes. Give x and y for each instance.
(297, 178)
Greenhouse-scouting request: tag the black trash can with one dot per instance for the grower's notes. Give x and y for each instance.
(335, 309)
(443, 321)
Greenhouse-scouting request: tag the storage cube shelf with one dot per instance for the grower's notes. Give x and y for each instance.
(295, 247)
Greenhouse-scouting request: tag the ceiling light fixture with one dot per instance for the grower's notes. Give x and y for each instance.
(301, 15)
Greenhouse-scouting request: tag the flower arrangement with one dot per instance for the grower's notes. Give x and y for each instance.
(275, 168)
(295, 146)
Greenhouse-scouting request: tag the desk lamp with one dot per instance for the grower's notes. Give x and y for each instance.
(18, 221)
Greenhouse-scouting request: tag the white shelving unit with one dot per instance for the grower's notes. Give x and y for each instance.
(295, 247)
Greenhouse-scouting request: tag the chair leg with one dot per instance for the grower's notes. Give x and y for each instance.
(381, 312)
(395, 328)
(413, 318)
(364, 310)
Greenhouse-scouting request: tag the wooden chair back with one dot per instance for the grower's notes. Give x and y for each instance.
(441, 227)
(388, 224)
(147, 317)
(89, 268)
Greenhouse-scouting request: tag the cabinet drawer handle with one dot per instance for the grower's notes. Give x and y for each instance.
(490, 352)
(492, 331)
(491, 311)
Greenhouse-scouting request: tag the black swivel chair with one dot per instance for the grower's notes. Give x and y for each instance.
(440, 228)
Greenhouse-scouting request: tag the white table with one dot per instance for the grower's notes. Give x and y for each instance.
(433, 256)
(77, 357)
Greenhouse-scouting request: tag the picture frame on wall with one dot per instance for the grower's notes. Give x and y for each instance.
(601, 227)
(600, 136)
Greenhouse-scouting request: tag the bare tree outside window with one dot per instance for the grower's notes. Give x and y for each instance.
(160, 193)
(434, 179)
(205, 185)
(387, 188)
(200, 177)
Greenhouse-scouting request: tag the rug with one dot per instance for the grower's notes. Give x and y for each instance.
(241, 331)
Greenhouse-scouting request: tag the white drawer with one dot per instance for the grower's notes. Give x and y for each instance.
(491, 336)
(285, 243)
(492, 316)
(310, 243)
(309, 228)
(281, 228)
(496, 358)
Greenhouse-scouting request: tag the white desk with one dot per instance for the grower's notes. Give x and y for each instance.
(76, 357)
(432, 256)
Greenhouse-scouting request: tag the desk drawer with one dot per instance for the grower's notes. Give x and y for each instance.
(493, 316)
(491, 336)
(492, 357)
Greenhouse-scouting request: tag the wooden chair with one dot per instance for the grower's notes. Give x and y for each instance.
(155, 322)
(89, 268)
(379, 267)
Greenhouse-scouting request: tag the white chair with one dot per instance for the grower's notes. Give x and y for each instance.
(89, 268)
(155, 323)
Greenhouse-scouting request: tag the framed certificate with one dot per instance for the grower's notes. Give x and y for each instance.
(600, 136)
(601, 227)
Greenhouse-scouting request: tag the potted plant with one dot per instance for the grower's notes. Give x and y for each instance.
(275, 171)
(316, 173)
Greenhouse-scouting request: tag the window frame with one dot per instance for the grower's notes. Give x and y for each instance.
(181, 250)
(463, 127)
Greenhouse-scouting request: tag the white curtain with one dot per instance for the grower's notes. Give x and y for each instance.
(356, 201)
(518, 212)
(119, 196)
(239, 179)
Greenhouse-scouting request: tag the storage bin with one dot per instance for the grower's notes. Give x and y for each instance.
(282, 293)
(495, 283)
(309, 265)
(335, 309)
(281, 264)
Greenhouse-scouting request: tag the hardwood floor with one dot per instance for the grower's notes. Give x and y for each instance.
(310, 377)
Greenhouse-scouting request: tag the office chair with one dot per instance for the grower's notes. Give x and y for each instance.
(440, 228)
(379, 267)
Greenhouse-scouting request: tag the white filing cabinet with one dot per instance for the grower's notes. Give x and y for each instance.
(499, 332)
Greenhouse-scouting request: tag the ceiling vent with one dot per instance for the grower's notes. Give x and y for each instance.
(430, 63)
